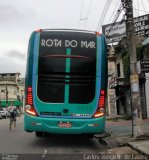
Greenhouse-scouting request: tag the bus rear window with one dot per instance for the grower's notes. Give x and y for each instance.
(67, 67)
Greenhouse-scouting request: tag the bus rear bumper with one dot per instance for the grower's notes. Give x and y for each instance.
(51, 125)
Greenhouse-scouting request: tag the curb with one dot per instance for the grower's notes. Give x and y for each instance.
(137, 148)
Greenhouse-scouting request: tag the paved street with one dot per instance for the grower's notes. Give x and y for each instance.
(20, 142)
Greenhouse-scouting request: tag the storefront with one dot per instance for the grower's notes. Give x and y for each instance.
(17, 103)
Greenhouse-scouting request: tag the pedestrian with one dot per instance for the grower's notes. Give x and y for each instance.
(13, 114)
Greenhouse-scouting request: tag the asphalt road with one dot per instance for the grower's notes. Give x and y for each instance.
(21, 142)
(20, 145)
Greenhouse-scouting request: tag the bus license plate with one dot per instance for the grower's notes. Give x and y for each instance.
(64, 125)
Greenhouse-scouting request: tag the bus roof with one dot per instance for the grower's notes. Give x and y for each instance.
(68, 30)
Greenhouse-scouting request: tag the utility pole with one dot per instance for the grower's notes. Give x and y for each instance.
(134, 78)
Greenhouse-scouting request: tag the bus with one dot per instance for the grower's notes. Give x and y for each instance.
(66, 82)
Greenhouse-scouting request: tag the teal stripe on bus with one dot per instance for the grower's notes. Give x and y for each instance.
(35, 69)
(29, 65)
(68, 60)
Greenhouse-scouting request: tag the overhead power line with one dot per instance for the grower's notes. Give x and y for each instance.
(143, 5)
(136, 13)
(118, 13)
(81, 12)
(85, 19)
(103, 15)
(113, 13)
(138, 9)
(115, 18)
(88, 13)
(141, 10)
(138, 6)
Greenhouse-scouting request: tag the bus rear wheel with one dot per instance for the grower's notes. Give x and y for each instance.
(39, 134)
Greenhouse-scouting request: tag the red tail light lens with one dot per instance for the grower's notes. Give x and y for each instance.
(101, 104)
(29, 102)
(102, 99)
(98, 33)
(29, 96)
(38, 30)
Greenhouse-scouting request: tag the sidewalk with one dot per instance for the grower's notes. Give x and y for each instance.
(140, 145)
(121, 132)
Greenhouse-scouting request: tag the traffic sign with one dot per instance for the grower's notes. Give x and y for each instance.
(144, 65)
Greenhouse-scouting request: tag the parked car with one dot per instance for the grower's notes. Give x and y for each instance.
(4, 112)
(0, 116)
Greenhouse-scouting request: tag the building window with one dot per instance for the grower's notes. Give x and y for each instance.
(118, 70)
(15, 92)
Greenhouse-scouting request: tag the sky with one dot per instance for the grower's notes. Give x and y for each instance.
(19, 18)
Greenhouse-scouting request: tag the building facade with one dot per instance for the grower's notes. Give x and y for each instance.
(120, 98)
(10, 89)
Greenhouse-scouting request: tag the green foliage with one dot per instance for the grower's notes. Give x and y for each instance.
(146, 51)
(126, 67)
(139, 51)
(124, 54)
(126, 61)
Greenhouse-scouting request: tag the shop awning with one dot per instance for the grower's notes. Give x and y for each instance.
(16, 103)
(146, 41)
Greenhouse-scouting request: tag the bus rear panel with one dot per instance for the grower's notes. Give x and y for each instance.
(66, 79)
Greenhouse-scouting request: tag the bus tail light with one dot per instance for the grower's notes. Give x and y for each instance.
(99, 113)
(38, 30)
(29, 108)
(101, 104)
(29, 96)
(98, 33)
